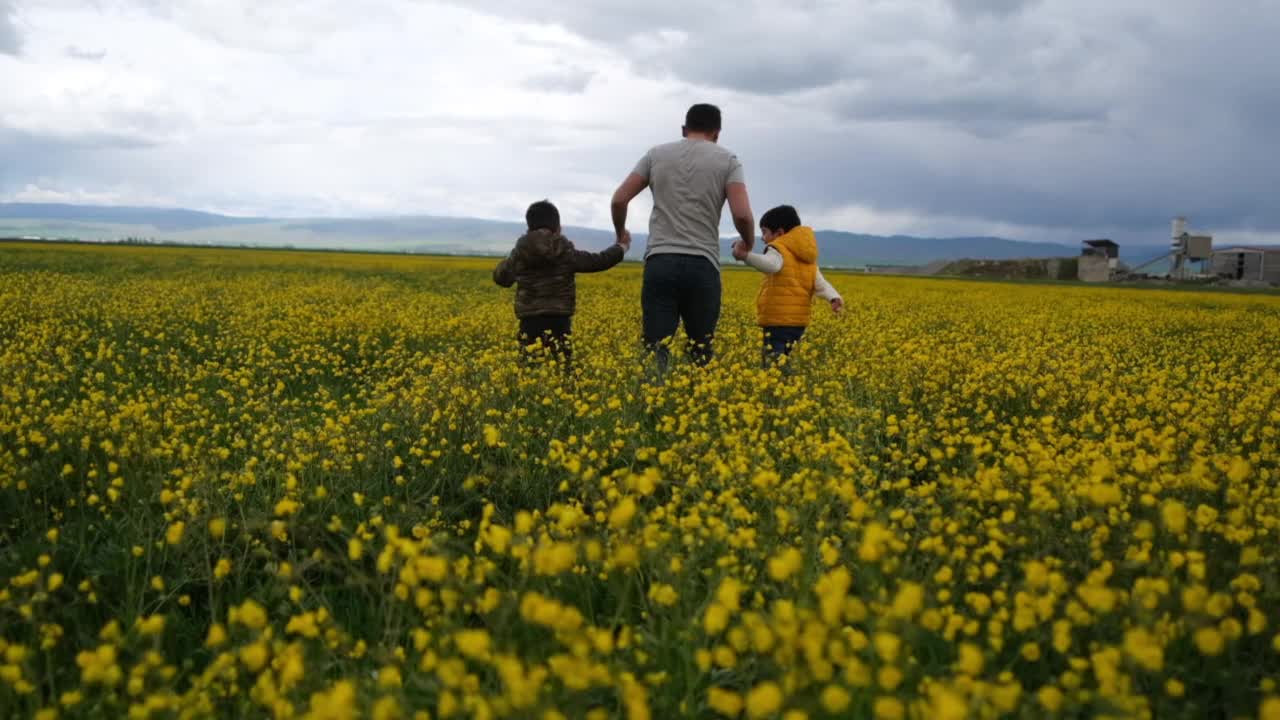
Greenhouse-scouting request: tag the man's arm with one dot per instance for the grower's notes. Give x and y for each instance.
(622, 197)
(740, 209)
(504, 274)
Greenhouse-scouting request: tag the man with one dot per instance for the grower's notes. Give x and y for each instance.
(690, 181)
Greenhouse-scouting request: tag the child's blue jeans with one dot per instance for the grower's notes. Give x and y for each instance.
(778, 341)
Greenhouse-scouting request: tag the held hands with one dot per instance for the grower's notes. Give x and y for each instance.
(837, 305)
(740, 251)
(624, 239)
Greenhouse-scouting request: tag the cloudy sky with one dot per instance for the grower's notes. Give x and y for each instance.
(1032, 119)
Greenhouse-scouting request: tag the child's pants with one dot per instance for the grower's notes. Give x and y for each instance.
(778, 341)
(553, 330)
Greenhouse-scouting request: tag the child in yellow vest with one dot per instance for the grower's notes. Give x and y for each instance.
(792, 278)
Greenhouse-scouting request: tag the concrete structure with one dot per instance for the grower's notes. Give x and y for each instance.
(1098, 259)
(1094, 268)
(1257, 264)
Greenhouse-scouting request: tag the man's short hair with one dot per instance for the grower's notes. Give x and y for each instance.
(783, 218)
(702, 118)
(542, 215)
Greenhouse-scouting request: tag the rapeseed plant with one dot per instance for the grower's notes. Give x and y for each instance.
(291, 485)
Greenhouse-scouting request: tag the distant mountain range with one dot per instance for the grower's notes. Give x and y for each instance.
(434, 234)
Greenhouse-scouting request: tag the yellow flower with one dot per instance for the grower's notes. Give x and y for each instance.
(1209, 641)
(970, 661)
(337, 703)
(387, 708)
(908, 601)
(389, 677)
(1239, 471)
(1144, 649)
(222, 568)
(716, 619)
(947, 705)
(355, 549)
(491, 435)
(472, 643)
(217, 528)
(889, 677)
(1050, 698)
(174, 534)
(725, 702)
(785, 564)
(1205, 515)
(250, 614)
(764, 700)
(1174, 516)
(663, 594)
(835, 699)
(888, 708)
(99, 667)
(621, 515)
(151, 625)
(217, 635)
(255, 656)
(887, 646)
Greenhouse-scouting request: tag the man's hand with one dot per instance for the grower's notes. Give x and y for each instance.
(837, 305)
(624, 239)
(740, 251)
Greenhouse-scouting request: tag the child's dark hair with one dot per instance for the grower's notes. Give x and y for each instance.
(783, 218)
(702, 118)
(542, 215)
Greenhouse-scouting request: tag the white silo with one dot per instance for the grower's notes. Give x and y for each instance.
(1179, 233)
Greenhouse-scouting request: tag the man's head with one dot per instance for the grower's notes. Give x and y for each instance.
(542, 215)
(778, 222)
(702, 121)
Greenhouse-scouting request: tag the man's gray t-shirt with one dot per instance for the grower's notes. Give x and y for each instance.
(688, 180)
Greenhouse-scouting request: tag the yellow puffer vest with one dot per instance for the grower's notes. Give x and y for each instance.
(785, 296)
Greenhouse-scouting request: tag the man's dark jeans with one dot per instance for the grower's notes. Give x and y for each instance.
(680, 288)
(779, 340)
(553, 330)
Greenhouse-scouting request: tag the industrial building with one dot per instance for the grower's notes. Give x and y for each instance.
(1187, 259)
(1257, 264)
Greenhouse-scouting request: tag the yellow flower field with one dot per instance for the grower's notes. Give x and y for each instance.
(319, 485)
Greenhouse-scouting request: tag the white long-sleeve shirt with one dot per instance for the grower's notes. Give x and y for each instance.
(771, 262)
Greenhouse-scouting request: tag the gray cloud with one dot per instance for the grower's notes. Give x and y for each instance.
(995, 8)
(77, 53)
(561, 80)
(80, 158)
(10, 40)
(1087, 116)
(1014, 111)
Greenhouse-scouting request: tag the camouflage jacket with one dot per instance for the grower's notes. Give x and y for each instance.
(542, 267)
